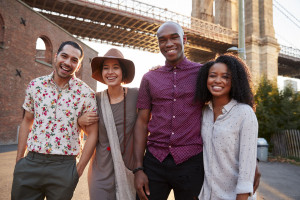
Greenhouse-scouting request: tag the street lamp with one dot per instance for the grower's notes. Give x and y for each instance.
(236, 50)
(241, 48)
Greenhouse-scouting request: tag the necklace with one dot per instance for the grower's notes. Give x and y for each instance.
(124, 120)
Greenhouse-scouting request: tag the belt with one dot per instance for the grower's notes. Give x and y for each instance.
(53, 157)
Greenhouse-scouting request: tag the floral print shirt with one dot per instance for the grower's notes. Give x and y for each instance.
(55, 129)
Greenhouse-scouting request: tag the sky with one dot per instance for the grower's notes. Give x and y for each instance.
(286, 32)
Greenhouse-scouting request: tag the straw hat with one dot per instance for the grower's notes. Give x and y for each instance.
(97, 62)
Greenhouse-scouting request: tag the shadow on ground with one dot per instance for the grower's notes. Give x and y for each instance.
(279, 181)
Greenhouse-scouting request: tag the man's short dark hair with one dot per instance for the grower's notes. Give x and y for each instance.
(73, 44)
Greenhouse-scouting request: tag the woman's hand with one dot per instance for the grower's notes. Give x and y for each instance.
(155, 68)
(256, 178)
(242, 196)
(88, 118)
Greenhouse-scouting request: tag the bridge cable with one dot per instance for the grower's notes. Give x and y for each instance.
(295, 18)
(286, 15)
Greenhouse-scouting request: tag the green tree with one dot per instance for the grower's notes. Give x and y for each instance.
(276, 110)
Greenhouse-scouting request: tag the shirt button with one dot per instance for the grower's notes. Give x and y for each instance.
(170, 146)
(174, 99)
(172, 133)
(174, 116)
(174, 85)
(174, 72)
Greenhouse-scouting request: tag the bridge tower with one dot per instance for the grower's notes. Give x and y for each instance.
(262, 49)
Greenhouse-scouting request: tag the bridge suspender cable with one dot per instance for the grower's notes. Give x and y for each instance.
(286, 14)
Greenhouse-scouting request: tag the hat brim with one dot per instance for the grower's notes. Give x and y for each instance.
(98, 61)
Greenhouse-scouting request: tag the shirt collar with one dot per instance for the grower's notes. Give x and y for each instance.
(181, 65)
(69, 85)
(227, 107)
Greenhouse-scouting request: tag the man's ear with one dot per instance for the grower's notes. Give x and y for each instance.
(55, 58)
(184, 39)
(79, 66)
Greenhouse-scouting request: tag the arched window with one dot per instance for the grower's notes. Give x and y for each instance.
(43, 50)
(2, 29)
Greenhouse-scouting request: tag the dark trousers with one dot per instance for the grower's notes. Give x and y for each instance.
(185, 179)
(38, 176)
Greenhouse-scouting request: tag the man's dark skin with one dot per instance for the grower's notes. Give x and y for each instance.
(171, 40)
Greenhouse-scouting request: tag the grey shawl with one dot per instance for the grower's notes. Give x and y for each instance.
(124, 177)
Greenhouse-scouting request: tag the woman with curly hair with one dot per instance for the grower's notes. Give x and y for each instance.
(229, 129)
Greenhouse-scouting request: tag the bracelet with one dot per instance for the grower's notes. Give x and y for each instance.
(137, 169)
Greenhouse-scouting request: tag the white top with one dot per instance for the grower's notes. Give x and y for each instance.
(229, 151)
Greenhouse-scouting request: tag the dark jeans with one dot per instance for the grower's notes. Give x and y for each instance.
(38, 176)
(185, 179)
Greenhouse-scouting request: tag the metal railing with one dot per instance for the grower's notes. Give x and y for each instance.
(207, 29)
(290, 51)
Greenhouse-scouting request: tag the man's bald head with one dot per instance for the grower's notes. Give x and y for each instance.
(170, 23)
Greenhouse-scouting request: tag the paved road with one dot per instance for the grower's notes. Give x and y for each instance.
(7, 162)
(280, 181)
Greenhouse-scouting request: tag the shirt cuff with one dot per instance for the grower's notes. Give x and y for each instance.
(244, 187)
(27, 109)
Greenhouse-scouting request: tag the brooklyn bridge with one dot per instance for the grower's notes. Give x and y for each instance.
(126, 23)
(133, 24)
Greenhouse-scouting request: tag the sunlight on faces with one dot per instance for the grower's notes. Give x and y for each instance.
(219, 80)
(171, 42)
(67, 62)
(143, 62)
(112, 72)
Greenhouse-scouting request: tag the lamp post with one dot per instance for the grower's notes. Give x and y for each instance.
(241, 44)
(240, 50)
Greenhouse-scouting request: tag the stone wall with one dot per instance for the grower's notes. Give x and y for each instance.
(262, 49)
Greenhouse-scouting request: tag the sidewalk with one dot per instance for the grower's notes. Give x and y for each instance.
(7, 159)
(279, 181)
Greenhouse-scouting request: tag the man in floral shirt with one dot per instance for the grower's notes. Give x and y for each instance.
(52, 106)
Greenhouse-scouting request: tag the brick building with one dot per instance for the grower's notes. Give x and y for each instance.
(20, 61)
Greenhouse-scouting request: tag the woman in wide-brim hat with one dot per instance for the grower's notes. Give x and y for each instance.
(116, 116)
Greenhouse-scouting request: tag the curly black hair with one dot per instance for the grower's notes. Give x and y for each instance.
(241, 83)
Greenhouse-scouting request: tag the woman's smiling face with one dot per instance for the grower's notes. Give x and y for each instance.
(112, 72)
(219, 80)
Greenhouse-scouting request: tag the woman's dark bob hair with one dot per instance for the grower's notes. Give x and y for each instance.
(240, 80)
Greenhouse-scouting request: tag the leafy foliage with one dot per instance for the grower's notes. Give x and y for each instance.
(276, 110)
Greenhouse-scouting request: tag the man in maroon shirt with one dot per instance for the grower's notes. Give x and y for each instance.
(169, 124)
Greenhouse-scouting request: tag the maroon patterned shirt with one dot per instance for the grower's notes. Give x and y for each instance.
(176, 119)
